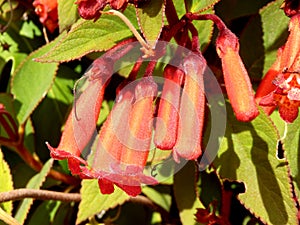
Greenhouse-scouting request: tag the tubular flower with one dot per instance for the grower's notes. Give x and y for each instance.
(237, 82)
(167, 117)
(281, 85)
(124, 142)
(80, 125)
(191, 111)
(47, 11)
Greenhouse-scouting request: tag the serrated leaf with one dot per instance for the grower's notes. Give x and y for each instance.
(87, 36)
(94, 202)
(248, 154)
(67, 14)
(34, 183)
(185, 193)
(262, 37)
(6, 183)
(200, 6)
(151, 20)
(291, 146)
(31, 82)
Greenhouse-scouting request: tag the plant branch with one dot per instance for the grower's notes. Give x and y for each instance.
(22, 193)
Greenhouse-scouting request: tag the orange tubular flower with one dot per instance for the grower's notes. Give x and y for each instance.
(80, 125)
(167, 123)
(237, 82)
(285, 84)
(191, 112)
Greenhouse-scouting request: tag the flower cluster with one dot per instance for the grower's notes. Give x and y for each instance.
(125, 138)
(281, 85)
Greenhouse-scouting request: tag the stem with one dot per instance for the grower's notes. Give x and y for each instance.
(220, 24)
(22, 193)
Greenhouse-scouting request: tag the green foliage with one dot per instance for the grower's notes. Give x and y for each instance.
(37, 78)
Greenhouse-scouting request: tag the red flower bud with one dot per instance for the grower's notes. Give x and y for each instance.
(237, 82)
(191, 112)
(168, 111)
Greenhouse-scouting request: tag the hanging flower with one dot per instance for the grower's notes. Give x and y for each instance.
(191, 111)
(168, 110)
(237, 82)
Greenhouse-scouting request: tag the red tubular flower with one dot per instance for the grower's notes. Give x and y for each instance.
(81, 124)
(136, 148)
(168, 109)
(284, 80)
(237, 82)
(191, 112)
(47, 11)
(124, 142)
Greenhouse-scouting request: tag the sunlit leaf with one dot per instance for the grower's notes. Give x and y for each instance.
(94, 202)
(151, 20)
(291, 145)
(161, 195)
(89, 36)
(248, 154)
(31, 82)
(6, 183)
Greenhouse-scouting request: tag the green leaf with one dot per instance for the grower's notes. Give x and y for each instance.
(262, 37)
(6, 183)
(185, 193)
(31, 82)
(151, 20)
(87, 36)
(291, 145)
(161, 195)
(58, 101)
(200, 6)
(248, 154)
(34, 183)
(94, 202)
(67, 14)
